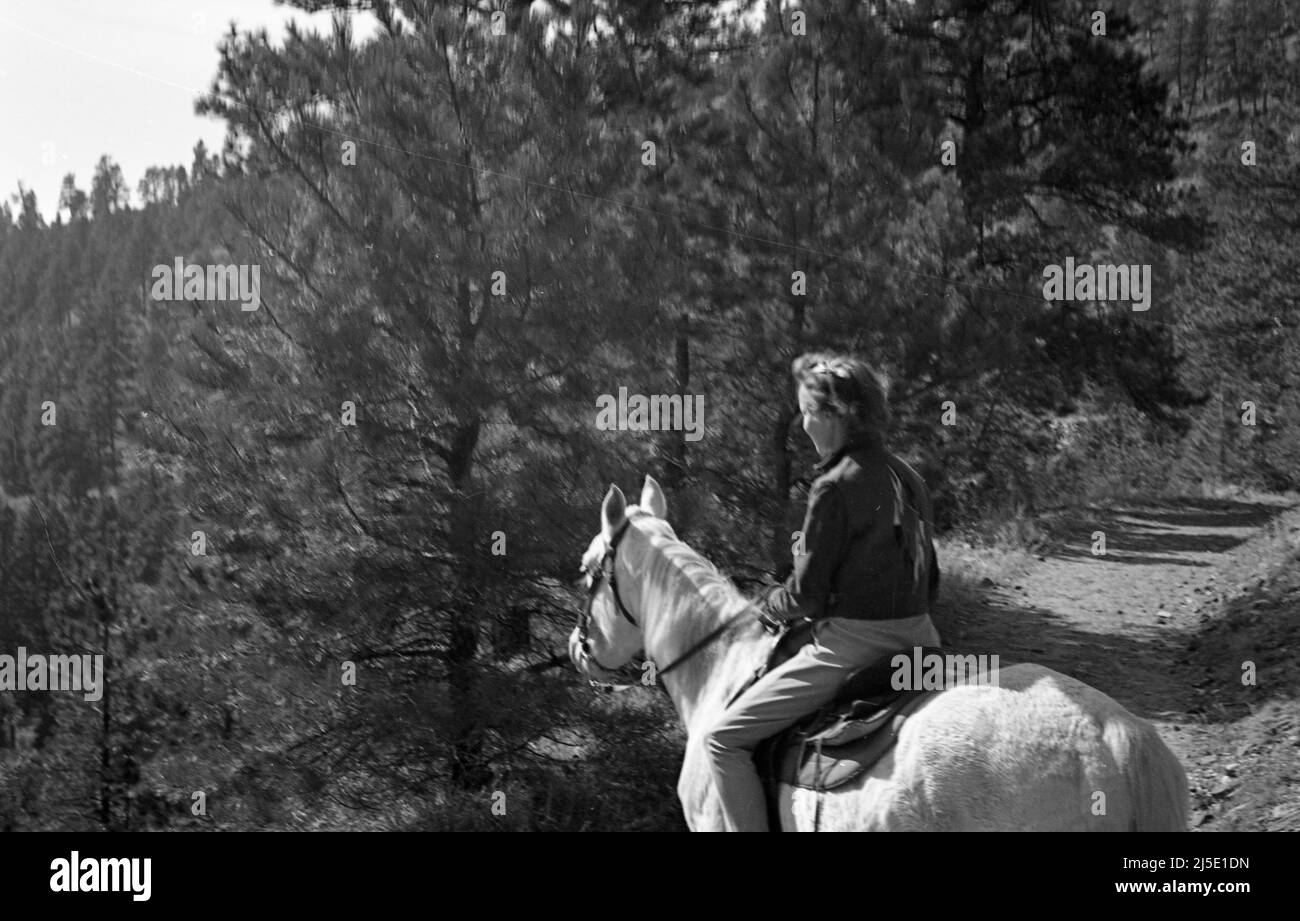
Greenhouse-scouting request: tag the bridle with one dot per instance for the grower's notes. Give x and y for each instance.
(598, 574)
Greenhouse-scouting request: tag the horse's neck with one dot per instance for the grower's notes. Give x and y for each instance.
(701, 688)
(678, 617)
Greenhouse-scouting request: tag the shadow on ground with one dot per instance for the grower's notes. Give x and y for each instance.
(1151, 531)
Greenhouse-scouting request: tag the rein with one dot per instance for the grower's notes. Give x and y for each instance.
(584, 624)
(708, 639)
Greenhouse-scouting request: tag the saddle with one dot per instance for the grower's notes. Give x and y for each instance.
(833, 745)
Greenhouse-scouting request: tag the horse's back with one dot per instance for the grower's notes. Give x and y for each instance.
(1032, 750)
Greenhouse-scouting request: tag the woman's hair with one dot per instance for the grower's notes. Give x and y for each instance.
(848, 387)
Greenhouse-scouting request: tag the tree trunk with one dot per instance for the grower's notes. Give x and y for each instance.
(467, 768)
(782, 479)
(105, 720)
(675, 473)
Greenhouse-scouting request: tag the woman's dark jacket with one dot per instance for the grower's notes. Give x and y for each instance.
(868, 542)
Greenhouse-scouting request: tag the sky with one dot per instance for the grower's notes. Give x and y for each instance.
(83, 78)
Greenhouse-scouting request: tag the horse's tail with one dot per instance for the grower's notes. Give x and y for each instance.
(1157, 781)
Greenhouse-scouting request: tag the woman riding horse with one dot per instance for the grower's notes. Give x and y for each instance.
(866, 575)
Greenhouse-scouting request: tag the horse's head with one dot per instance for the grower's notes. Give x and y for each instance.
(609, 632)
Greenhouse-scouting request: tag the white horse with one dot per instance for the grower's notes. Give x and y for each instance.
(1032, 750)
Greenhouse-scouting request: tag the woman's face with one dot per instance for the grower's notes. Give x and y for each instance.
(824, 427)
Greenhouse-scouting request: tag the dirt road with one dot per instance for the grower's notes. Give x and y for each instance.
(1163, 622)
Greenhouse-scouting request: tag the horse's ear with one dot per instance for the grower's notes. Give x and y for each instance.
(614, 509)
(653, 498)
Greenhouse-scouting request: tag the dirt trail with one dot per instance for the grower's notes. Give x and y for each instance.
(1133, 624)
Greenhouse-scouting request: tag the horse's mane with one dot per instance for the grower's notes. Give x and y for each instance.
(697, 589)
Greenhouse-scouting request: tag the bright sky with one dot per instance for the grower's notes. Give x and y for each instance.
(83, 78)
